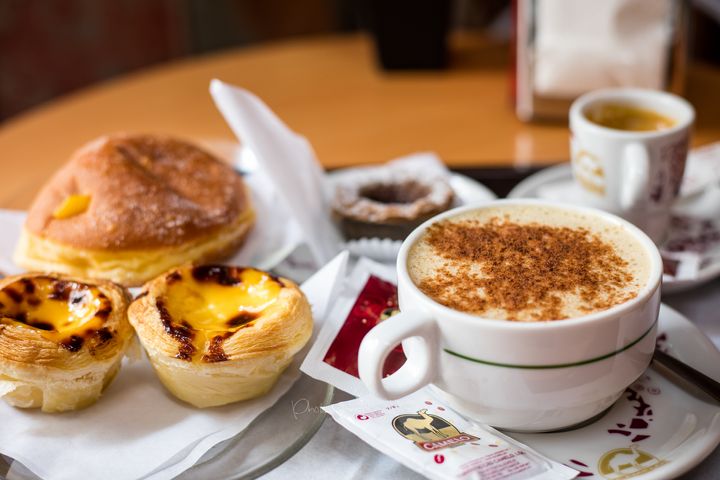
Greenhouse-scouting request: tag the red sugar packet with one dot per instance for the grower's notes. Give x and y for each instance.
(367, 297)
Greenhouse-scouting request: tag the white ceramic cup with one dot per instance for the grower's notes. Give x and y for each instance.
(634, 174)
(524, 376)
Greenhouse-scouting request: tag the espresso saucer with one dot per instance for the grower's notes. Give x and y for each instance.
(690, 213)
(656, 430)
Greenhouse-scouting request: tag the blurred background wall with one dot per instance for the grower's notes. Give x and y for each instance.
(52, 47)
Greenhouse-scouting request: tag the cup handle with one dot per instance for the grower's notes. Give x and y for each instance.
(636, 176)
(420, 367)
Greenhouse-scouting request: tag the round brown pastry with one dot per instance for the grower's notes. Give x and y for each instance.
(61, 339)
(388, 202)
(219, 334)
(128, 207)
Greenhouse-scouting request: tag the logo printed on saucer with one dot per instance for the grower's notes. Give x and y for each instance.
(430, 432)
(628, 462)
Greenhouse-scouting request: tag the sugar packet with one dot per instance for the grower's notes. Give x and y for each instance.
(692, 246)
(367, 297)
(430, 438)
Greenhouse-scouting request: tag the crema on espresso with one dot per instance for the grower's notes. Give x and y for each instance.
(528, 263)
(628, 117)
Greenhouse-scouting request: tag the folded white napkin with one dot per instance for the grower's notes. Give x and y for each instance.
(288, 160)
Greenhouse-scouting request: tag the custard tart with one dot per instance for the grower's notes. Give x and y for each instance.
(220, 334)
(129, 207)
(62, 339)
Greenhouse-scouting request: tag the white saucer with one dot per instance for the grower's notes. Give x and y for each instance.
(467, 191)
(556, 183)
(672, 434)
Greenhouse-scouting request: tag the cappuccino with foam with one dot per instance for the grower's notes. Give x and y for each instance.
(528, 263)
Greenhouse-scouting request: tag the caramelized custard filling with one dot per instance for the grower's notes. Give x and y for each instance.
(205, 305)
(63, 311)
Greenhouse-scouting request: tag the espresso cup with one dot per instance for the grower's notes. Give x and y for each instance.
(634, 174)
(521, 376)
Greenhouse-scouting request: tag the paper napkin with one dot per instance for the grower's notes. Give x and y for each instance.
(137, 430)
(289, 162)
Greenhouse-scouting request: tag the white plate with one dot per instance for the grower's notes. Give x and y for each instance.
(670, 435)
(385, 250)
(468, 190)
(556, 183)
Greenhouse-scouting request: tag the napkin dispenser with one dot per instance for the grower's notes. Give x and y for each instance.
(564, 49)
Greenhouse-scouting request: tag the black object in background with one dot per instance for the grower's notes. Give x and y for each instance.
(409, 34)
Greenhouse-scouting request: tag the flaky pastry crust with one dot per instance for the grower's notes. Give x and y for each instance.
(155, 200)
(221, 369)
(56, 374)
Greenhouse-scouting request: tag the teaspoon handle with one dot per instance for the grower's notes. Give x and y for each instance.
(688, 373)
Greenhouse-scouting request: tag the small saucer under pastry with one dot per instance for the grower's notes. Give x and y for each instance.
(129, 207)
(61, 339)
(218, 334)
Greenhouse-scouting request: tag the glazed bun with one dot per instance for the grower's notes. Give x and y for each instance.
(128, 207)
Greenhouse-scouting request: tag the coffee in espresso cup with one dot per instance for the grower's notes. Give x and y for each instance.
(621, 116)
(522, 314)
(628, 149)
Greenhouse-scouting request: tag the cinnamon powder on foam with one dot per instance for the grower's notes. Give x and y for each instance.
(528, 272)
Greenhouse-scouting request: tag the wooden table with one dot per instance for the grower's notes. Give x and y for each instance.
(328, 89)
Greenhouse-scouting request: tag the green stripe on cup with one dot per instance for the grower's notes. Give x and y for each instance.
(557, 365)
